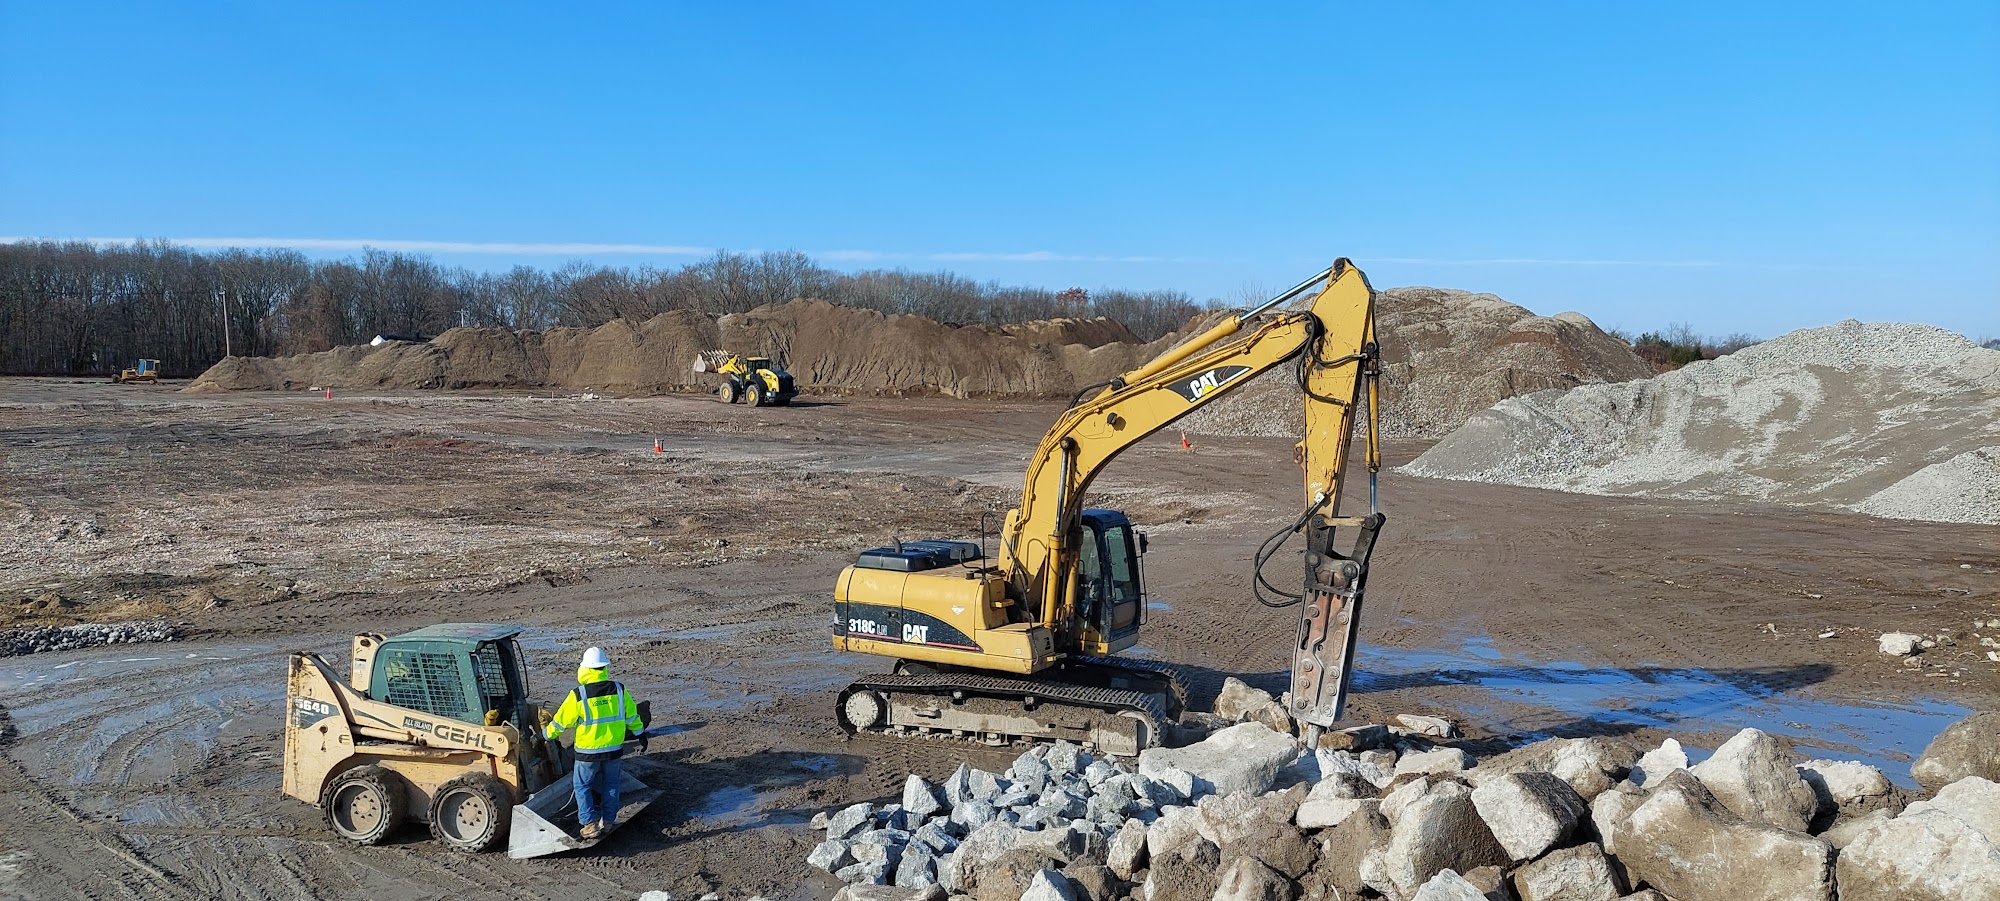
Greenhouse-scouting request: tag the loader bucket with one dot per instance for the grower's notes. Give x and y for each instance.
(546, 823)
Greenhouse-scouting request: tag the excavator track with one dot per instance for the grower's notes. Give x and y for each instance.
(1000, 711)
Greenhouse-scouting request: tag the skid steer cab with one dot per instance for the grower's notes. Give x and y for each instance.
(435, 726)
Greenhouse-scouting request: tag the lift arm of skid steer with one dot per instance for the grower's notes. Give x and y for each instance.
(1332, 346)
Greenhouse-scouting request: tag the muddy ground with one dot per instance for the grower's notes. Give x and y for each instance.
(269, 522)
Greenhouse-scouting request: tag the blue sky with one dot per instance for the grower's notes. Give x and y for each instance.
(1743, 167)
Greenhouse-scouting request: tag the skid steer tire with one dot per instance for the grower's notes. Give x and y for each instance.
(365, 804)
(727, 392)
(470, 814)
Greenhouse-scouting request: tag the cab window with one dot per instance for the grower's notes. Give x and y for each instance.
(1124, 570)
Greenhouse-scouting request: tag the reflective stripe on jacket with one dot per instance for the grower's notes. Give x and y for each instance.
(601, 711)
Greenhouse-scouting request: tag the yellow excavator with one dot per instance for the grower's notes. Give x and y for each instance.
(1021, 648)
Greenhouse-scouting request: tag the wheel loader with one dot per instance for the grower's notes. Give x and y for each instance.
(435, 726)
(146, 371)
(746, 378)
(1023, 648)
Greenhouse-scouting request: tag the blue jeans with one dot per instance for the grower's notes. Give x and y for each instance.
(596, 783)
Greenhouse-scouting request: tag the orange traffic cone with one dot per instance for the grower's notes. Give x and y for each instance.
(329, 394)
(656, 446)
(1184, 442)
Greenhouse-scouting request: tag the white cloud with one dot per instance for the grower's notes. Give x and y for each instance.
(1679, 264)
(587, 249)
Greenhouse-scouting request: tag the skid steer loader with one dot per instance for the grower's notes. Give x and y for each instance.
(435, 725)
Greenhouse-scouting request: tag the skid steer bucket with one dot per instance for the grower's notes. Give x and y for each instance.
(547, 824)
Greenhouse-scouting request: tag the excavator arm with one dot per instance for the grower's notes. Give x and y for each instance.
(1331, 345)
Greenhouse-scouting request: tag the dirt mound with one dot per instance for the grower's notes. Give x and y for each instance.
(1446, 355)
(828, 348)
(1887, 418)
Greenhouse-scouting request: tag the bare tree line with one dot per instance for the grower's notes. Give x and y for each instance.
(71, 308)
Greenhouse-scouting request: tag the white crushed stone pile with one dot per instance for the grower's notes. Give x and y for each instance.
(1892, 419)
(1446, 356)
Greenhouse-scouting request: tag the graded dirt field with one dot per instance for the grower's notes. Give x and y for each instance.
(268, 522)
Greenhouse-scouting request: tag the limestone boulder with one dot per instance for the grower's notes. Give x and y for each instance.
(1589, 765)
(1439, 831)
(920, 798)
(1691, 847)
(1343, 848)
(1243, 757)
(1925, 854)
(1094, 882)
(993, 840)
(1048, 885)
(1127, 853)
(1845, 789)
(1844, 832)
(1758, 781)
(1430, 726)
(1972, 799)
(1188, 874)
(1969, 747)
(1246, 878)
(1582, 873)
(1666, 758)
(1611, 809)
(1436, 762)
(1174, 830)
(1448, 885)
(1259, 826)
(1529, 812)
(1333, 801)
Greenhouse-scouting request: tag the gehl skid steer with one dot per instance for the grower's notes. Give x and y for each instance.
(435, 725)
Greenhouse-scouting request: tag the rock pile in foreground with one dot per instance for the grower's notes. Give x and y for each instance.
(1246, 815)
(15, 642)
(1889, 419)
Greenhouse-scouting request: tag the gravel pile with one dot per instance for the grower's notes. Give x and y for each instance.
(1446, 355)
(1892, 419)
(16, 642)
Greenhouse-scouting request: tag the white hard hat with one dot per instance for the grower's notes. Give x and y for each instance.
(595, 658)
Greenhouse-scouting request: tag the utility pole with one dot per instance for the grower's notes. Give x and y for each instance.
(222, 300)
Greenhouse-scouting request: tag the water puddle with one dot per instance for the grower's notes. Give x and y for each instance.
(1537, 700)
(753, 806)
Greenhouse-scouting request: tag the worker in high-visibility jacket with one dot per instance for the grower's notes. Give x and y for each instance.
(602, 715)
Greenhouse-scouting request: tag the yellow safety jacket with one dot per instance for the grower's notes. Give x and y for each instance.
(601, 712)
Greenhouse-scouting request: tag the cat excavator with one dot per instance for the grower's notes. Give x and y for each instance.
(1023, 648)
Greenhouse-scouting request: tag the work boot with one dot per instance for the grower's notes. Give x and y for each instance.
(592, 830)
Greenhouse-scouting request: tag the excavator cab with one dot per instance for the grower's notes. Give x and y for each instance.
(1110, 592)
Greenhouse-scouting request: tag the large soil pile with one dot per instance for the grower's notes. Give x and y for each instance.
(1446, 355)
(1892, 419)
(828, 348)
